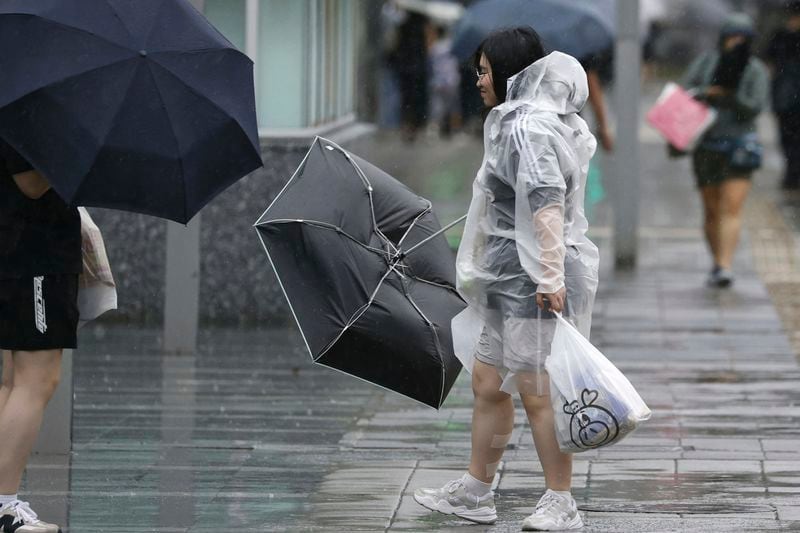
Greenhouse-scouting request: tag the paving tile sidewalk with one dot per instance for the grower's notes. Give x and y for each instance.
(247, 433)
(715, 366)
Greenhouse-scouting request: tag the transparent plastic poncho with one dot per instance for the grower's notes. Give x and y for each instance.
(525, 231)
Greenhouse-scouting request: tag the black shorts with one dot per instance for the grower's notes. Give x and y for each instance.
(39, 313)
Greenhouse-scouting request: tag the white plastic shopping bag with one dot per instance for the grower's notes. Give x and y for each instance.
(594, 403)
(97, 292)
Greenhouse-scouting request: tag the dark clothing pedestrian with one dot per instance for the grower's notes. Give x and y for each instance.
(783, 53)
(409, 60)
(37, 237)
(40, 260)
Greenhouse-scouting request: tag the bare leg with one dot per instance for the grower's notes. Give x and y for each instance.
(557, 465)
(710, 195)
(733, 193)
(36, 376)
(492, 422)
(8, 378)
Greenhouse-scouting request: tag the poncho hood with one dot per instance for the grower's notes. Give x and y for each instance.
(555, 83)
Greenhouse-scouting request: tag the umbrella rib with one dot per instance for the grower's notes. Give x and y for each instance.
(101, 144)
(174, 136)
(356, 315)
(296, 172)
(323, 225)
(190, 88)
(434, 235)
(286, 295)
(364, 178)
(435, 339)
(414, 223)
(71, 28)
(67, 78)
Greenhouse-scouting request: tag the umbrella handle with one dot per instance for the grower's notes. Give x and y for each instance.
(420, 243)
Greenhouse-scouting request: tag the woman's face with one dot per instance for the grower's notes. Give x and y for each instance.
(485, 83)
(731, 42)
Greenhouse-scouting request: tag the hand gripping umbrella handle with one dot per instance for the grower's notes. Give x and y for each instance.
(447, 227)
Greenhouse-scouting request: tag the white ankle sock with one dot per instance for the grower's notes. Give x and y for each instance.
(475, 486)
(564, 494)
(7, 498)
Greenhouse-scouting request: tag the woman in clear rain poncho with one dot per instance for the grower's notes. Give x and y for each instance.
(524, 254)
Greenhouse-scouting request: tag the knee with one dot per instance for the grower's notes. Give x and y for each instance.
(486, 386)
(42, 388)
(40, 385)
(537, 408)
(7, 381)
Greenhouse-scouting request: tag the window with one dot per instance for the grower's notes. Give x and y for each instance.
(304, 53)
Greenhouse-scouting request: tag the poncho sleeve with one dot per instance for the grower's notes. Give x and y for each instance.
(539, 212)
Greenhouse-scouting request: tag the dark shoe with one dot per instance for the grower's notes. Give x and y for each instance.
(720, 278)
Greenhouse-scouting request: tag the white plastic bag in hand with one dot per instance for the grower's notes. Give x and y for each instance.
(97, 292)
(594, 403)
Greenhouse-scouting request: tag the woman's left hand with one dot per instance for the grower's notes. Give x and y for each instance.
(555, 299)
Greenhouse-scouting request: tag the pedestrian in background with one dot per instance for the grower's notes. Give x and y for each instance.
(783, 56)
(40, 260)
(445, 80)
(735, 83)
(407, 56)
(524, 256)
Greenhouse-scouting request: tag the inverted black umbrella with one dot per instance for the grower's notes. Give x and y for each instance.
(574, 27)
(368, 275)
(139, 105)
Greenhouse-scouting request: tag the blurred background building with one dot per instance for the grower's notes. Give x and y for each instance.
(349, 69)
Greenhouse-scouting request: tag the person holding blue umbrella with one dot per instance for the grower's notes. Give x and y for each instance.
(524, 256)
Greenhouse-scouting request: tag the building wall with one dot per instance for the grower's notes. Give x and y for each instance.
(306, 78)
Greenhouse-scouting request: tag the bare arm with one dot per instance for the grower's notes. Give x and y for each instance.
(598, 104)
(548, 224)
(32, 184)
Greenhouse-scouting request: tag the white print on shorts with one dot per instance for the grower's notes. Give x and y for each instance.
(38, 301)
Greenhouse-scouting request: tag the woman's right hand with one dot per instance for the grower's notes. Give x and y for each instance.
(555, 299)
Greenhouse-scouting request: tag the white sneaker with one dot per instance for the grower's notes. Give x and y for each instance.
(454, 499)
(554, 513)
(18, 517)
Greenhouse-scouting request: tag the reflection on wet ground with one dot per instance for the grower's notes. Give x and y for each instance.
(247, 435)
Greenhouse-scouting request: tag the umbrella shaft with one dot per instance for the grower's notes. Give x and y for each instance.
(447, 227)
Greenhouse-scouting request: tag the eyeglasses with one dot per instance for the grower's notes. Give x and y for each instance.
(480, 73)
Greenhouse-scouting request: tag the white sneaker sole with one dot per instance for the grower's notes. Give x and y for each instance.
(482, 516)
(575, 523)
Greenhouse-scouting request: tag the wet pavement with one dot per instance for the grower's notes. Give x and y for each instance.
(248, 435)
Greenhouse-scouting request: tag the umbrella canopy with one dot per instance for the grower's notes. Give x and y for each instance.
(440, 11)
(570, 27)
(138, 105)
(369, 278)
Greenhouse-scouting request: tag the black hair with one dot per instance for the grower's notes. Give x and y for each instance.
(509, 51)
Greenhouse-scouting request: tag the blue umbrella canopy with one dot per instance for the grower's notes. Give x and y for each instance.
(140, 105)
(575, 28)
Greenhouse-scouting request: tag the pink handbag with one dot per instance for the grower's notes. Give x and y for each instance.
(679, 118)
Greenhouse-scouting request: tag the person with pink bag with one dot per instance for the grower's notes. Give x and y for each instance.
(736, 85)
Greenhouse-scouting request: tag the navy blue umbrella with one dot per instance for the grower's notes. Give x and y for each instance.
(140, 105)
(573, 27)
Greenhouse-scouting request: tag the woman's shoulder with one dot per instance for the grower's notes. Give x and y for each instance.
(525, 124)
